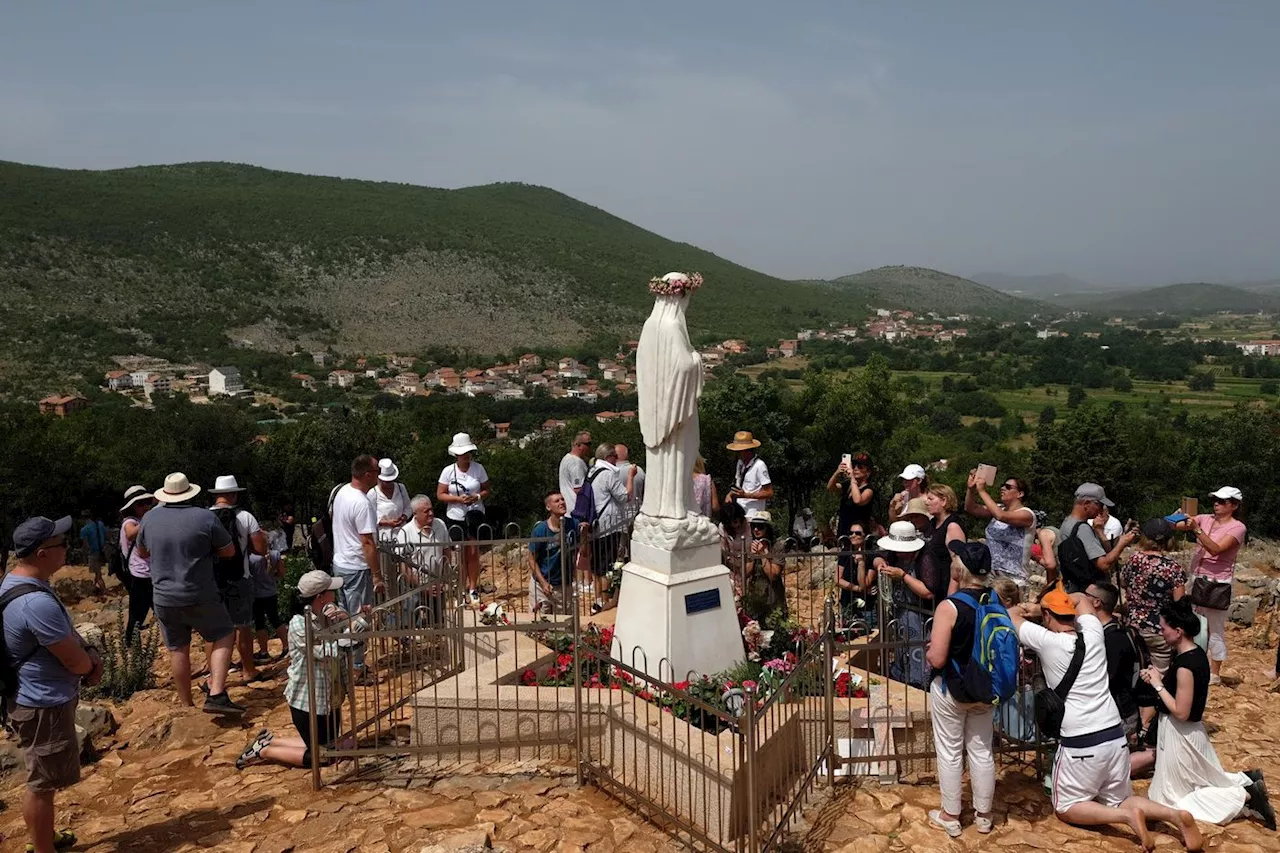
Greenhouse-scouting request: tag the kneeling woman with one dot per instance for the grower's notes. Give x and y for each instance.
(1188, 774)
(315, 589)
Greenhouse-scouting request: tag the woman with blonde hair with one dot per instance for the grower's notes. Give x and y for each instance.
(944, 528)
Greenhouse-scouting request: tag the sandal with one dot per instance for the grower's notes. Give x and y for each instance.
(62, 840)
(253, 751)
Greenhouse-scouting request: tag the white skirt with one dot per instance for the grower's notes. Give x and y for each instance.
(1189, 776)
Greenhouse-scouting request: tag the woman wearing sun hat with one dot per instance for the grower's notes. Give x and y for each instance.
(462, 488)
(1219, 536)
(764, 594)
(912, 600)
(137, 500)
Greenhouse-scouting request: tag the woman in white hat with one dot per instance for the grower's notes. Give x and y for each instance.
(915, 482)
(764, 594)
(137, 500)
(390, 500)
(912, 600)
(1219, 536)
(462, 488)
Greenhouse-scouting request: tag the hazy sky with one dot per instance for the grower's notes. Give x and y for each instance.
(1135, 140)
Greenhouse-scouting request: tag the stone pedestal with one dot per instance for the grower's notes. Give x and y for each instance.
(676, 613)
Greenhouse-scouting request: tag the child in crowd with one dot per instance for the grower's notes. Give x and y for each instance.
(315, 589)
(1007, 591)
(266, 570)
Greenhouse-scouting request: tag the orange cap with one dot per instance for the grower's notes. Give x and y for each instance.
(1058, 602)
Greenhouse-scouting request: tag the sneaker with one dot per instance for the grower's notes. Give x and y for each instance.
(473, 597)
(984, 824)
(261, 657)
(253, 751)
(951, 827)
(596, 608)
(1215, 680)
(204, 687)
(222, 704)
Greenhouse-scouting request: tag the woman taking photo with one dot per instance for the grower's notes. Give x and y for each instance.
(851, 482)
(961, 725)
(1012, 528)
(137, 501)
(1188, 775)
(462, 487)
(1218, 539)
(764, 596)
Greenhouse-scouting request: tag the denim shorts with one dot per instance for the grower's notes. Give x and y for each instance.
(238, 599)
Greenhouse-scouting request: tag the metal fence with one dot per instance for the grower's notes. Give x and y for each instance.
(448, 688)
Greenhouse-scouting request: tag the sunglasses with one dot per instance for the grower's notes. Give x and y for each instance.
(856, 533)
(1010, 486)
(1221, 500)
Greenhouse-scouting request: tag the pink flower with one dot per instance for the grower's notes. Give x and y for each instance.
(749, 685)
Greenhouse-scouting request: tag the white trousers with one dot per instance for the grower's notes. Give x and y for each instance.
(960, 727)
(1217, 620)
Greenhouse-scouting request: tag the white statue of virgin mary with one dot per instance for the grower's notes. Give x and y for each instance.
(669, 380)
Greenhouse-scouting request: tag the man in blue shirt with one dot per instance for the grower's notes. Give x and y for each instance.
(93, 535)
(547, 584)
(51, 660)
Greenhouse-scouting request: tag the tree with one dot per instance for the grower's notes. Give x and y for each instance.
(1270, 386)
(1122, 383)
(1075, 396)
(1048, 415)
(1202, 382)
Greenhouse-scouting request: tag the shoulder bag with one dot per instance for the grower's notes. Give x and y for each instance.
(1051, 703)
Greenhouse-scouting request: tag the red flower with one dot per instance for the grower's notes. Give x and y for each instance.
(645, 695)
(528, 678)
(790, 657)
(681, 686)
(564, 661)
(606, 638)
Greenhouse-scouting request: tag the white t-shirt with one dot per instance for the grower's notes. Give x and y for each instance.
(573, 473)
(425, 559)
(461, 482)
(1090, 707)
(246, 526)
(1112, 530)
(752, 478)
(352, 516)
(389, 507)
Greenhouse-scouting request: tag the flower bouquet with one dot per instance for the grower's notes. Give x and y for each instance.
(494, 614)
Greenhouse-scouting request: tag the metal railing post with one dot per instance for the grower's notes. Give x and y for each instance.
(311, 699)
(753, 818)
(829, 691)
(577, 661)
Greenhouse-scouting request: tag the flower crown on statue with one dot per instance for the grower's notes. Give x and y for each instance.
(675, 284)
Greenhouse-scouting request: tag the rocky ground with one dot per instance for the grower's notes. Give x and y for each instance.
(164, 781)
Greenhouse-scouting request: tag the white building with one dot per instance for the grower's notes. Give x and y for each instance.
(225, 381)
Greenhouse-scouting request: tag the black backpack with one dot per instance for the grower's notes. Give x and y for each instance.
(228, 570)
(9, 671)
(1051, 702)
(319, 534)
(1074, 566)
(118, 562)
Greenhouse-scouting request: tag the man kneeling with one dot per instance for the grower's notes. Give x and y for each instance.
(1091, 771)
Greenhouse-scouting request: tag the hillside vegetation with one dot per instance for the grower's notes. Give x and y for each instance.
(1187, 299)
(169, 259)
(922, 289)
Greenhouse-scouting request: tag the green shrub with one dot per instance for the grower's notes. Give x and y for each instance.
(126, 668)
(295, 566)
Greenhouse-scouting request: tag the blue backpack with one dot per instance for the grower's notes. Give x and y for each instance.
(991, 674)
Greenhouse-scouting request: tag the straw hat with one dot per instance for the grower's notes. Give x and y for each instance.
(902, 538)
(743, 440)
(915, 506)
(177, 488)
(132, 495)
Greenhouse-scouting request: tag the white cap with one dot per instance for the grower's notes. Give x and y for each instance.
(1228, 493)
(912, 472)
(315, 582)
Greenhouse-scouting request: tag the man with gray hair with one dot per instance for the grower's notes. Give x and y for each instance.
(573, 468)
(611, 492)
(424, 541)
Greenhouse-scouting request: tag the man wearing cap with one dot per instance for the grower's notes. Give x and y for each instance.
(51, 659)
(914, 483)
(752, 489)
(249, 539)
(1090, 499)
(1091, 771)
(181, 541)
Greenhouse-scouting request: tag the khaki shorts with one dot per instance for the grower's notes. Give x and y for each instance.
(1161, 652)
(49, 737)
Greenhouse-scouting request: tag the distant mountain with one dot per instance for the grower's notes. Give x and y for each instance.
(922, 289)
(1038, 286)
(1191, 298)
(182, 260)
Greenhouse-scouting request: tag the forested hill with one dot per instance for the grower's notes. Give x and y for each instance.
(922, 289)
(1188, 299)
(182, 253)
